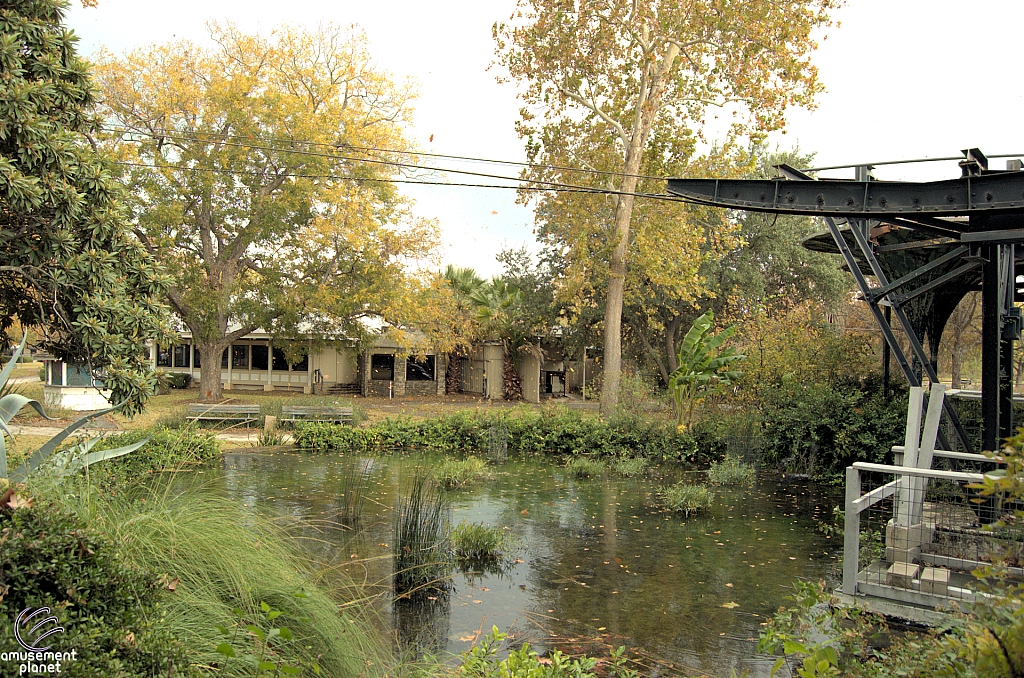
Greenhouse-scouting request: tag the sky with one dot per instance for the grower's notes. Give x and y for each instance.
(905, 79)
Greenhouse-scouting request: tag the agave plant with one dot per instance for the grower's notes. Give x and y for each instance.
(78, 457)
(703, 366)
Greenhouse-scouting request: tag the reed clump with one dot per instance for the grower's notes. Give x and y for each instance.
(731, 471)
(423, 548)
(584, 467)
(476, 543)
(452, 473)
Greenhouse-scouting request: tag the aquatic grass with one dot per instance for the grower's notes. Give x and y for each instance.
(731, 471)
(452, 473)
(350, 494)
(584, 467)
(217, 557)
(423, 552)
(686, 498)
(631, 466)
(476, 542)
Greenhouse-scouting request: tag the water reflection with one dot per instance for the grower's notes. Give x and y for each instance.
(599, 564)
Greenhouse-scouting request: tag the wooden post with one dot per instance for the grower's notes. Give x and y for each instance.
(851, 533)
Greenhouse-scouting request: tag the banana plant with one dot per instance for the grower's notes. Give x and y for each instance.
(703, 366)
(77, 458)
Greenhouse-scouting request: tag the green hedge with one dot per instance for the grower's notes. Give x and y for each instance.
(822, 429)
(562, 433)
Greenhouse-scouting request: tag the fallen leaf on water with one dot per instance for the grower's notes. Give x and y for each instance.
(730, 605)
(729, 585)
(478, 601)
(484, 588)
(470, 638)
(601, 628)
(524, 512)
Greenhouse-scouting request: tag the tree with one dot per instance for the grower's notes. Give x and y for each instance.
(962, 333)
(636, 71)
(255, 177)
(70, 265)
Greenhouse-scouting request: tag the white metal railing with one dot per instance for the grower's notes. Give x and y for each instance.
(909, 484)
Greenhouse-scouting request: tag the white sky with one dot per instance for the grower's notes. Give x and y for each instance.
(905, 79)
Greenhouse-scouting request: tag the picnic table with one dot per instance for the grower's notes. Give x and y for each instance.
(294, 413)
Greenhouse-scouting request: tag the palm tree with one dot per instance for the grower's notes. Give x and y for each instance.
(465, 282)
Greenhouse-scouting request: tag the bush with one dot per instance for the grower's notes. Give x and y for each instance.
(167, 449)
(453, 473)
(476, 542)
(822, 429)
(557, 432)
(113, 614)
(582, 467)
(174, 379)
(481, 661)
(731, 471)
(686, 499)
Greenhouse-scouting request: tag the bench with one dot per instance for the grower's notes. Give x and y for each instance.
(243, 414)
(294, 413)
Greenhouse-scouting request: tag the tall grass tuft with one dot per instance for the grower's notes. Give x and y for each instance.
(631, 466)
(476, 543)
(352, 494)
(218, 557)
(687, 499)
(584, 467)
(423, 552)
(731, 471)
(452, 473)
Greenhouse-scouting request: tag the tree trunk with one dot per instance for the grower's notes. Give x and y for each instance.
(512, 385)
(209, 372)
(955, 364)
(670, 342)
(453, 374)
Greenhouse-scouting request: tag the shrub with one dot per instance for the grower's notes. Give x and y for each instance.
(476, 542)
(112, 614)
(583, 467)
(167, 449)
(686, 498)
(822, 429)
(174, 379)
(453, 473)
(423, 553)
(631, 466)
(731, 471)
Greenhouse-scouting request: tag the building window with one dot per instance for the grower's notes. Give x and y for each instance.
(419, 369)
(163, 356)
(79, 375)
(280, 364)
(302, 365)
(240, 357)
(182, 355)
(382, 367)
(56, 373)
(259, 357)
(196, 362)
(224, 360)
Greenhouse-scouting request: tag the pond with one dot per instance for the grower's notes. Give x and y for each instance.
(598, 564)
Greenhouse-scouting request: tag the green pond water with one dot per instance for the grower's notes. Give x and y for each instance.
(599, 564)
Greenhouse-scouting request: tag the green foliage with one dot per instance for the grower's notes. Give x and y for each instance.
(476, 542)
(167, 449)
(275, 651)
(686, 498)
(704, 366)
(423, 547)
(584, 467)
(452, 473)
(731, 471)
(481, 661)
(73, 267)
(631, 467)
(558, 432)
(115, 615)
(822, 429)
(218, 557)
(177, 380)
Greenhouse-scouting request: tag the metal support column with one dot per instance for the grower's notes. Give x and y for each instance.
(886, 356)
(991, 329)
(1007, 334)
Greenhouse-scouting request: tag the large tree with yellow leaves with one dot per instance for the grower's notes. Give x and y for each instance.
(617, 76)
(256, 175)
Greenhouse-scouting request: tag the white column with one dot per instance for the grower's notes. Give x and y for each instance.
(231, 361)
(269, 386)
